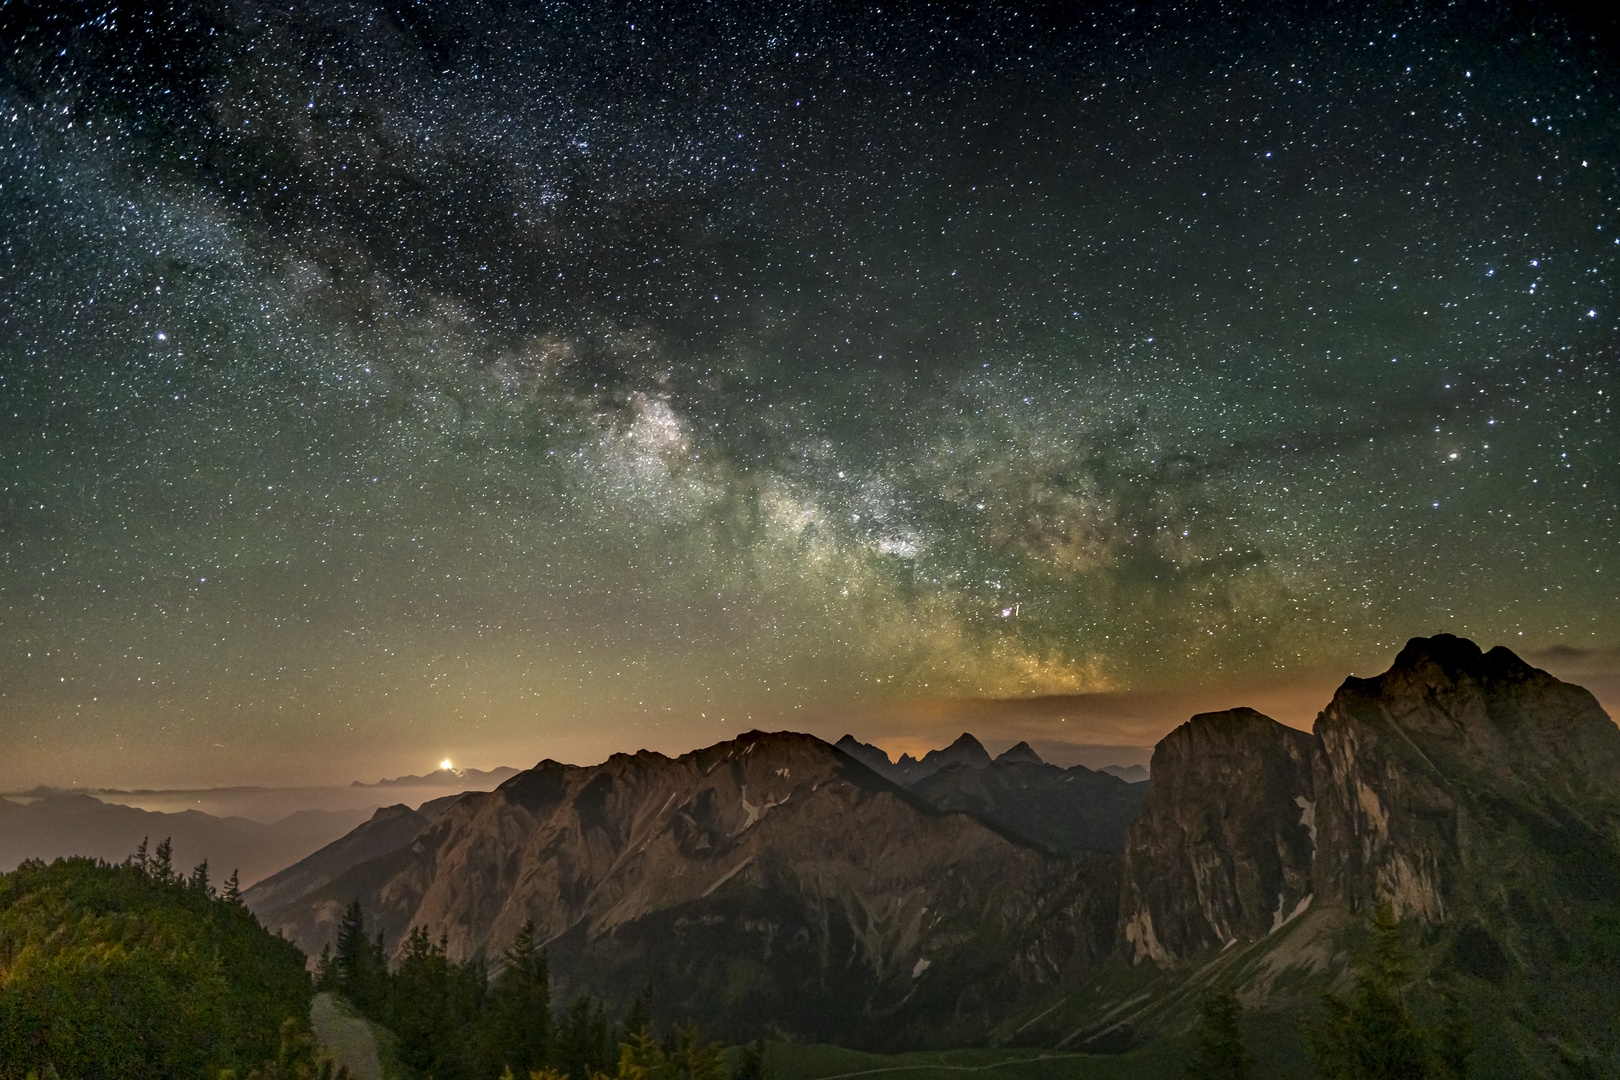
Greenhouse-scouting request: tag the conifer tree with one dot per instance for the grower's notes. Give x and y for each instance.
(233, 889)
(581, 1039)
(639, 1018)
(418, 1002)
(1455, 1038)
(361, 975)
(1373, 1037)
(641, 1058)
(325, 970)
(518, 1018)
(692, 1059)
(751, 1065)
(1221, 1054)
(163, 862)
(199, 879)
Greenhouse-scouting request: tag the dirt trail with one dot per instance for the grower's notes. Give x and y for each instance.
(347, 1038)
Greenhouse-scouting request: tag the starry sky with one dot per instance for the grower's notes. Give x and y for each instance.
(387, 381)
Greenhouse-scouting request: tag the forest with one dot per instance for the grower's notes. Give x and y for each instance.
(140, 971)
(460, 1021)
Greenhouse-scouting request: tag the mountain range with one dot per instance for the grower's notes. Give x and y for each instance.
(461, 779)
(60, 823)
(264, 836)
(779, 884)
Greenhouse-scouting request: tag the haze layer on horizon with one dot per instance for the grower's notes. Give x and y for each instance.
(499, 384)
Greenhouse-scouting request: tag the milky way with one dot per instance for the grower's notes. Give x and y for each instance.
(414, 377)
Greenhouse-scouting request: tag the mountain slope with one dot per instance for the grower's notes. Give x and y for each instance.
(771, 880)
(1060, 809)
(388, 830)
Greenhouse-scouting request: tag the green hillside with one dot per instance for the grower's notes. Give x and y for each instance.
(136, 971)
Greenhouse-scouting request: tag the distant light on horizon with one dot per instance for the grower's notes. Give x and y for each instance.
(445, 764)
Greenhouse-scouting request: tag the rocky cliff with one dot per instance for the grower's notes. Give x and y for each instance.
(1456, 773)
(1449, 785)
(1224, 845)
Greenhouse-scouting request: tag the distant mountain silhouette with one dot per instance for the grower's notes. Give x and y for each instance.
(1059, 809)
(60, 824)
(1023, 752)
(466, 779)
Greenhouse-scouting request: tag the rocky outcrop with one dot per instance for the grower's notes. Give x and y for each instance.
(1223, 848)
(1455, 774)
(1458, 785)
(966, 750)
(871, 756)
(767, 881)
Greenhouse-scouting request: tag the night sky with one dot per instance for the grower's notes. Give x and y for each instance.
(380, 382)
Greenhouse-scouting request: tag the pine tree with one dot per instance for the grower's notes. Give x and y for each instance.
(751, 1065)
(418, 1002)
(1373, 1037)
(517, 1027)
(361, 974)
(1454, 1039)
(692, 1059)
(199, 879)
(1221, 1054)
(163, 862)
(639, 1018)
(325, 972)
(233, 889)
(641, 1058)
(580, 1047)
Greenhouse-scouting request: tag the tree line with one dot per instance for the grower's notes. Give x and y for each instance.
(465, 1021)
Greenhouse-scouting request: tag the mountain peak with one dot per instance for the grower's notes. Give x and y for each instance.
(1448, 660)
(966, 750)
(1452, 707)
(1022, 752)
(389, 813)
(873, 757)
